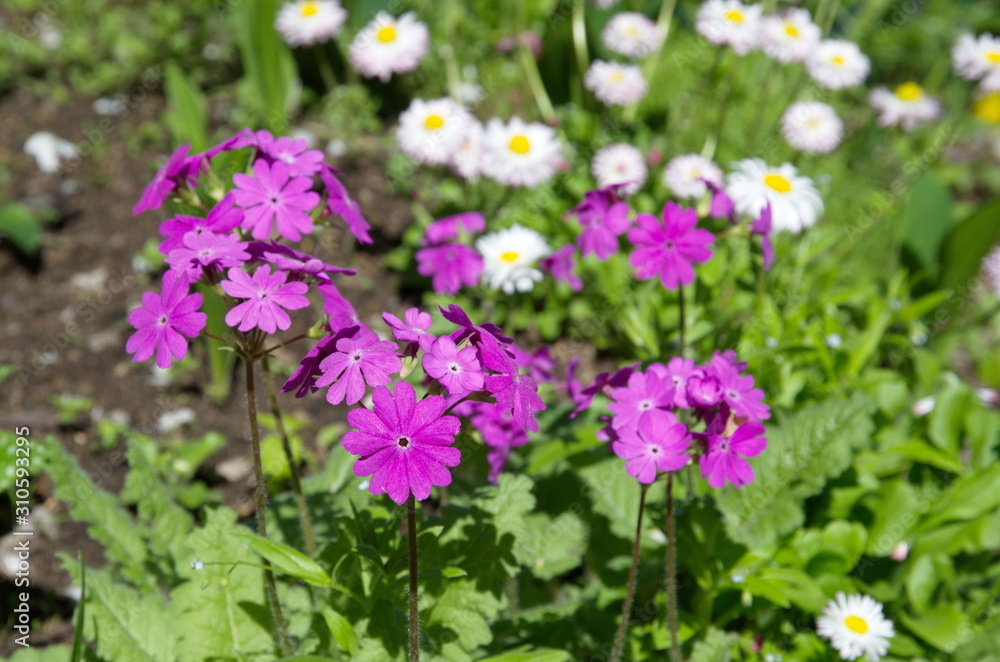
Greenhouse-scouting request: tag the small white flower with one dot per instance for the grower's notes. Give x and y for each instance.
(988, 397)
(900, 551)
(432, 132)
(467, 160)
(196, 564)
(108, 106)
(49, 37)
(631, 34)
(976, 58)
(924, 406)
(833, 340)
(388, 46)
(790, 36)
(509, 257)
(730, 23)
(519, 153)
(48, 150)
(907, 106)
(363, 485)
(684, 175)
(812, 126)
(835, 64)
(795, 202)
(308, 22)
(620, 163)
(615, 84)
(855, 626)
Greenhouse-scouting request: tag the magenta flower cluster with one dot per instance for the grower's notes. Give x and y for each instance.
(446, 257)
(644, 428)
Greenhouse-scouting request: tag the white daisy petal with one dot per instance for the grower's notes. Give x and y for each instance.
(684, 175)
(509, 258)
(812, 126)
(388, 46)
(615, 84)
(432, 132)
(620, 163)
(855, 626)
(730, 23)
(519, 153)
(631, 34)
(309, 22)
(790, 36)
(795, 202)
(907, 106)
(837, 64)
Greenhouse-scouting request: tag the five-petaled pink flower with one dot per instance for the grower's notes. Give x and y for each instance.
(164, 181)
(658, 443)
(604, 218)
(268, 297)
(668, 249)
(725, 459)
(163, 321)
(458, 370)
(359, 361)
(405, 444)
(646, 393)
(271, 198)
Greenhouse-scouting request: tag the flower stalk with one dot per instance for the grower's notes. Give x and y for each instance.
(616, 654)
(414, 622)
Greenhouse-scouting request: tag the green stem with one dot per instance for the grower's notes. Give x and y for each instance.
(260, 491)
(411, 534)
(537, 86)
(580, 42)
(300, 500)
(680, 321)
(675, 648)
(616, 654)
(663, 22)
(325, 70)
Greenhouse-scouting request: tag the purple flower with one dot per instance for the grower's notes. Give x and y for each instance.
(268, 297)
(295, 263)
(668, 249)
(679, 371)
(164, 181)
(605, 382)
(405, 445)
(540, 364)
(509, 387)
(450, 267)
(604, 218)
(571, 384)
(271, 198)
(207, 250)
(341, 204)
(458, 370)
(448, 228)
(725, 459)
(303, 380)
(738, 391)
(162, 322)
(703, 391)
(659, 443)
(223, 218)
(645, 393)
(722, 205)
(562, 266)
(762, 227)
(500, 432)
(300, 160)
(358, 361)
(413, 329)
(342, 313)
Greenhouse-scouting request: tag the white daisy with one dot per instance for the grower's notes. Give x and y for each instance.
(509, 257)
(855, 626)
(991, 81)
(631, 34)
(812, 126)
(907, 106)
(468, 158)
(388, 46)
(615, 84)
(520, 154)
(975, 58)
(605, 4)
(432, 132)
(620, 163)
(790, 36)
(835, 64)
(684, 175)
(730, 23)
(309, 22)
(795, 202)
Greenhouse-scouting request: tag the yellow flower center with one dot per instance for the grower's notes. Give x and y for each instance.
(632, 31)
(909, 92)
(836, 59)
(434, 122)
(988, 108)
(856, 624)
(520, 145)
(778, 183)
(791, 30)
(993, 57)
(735, 16)
(616, 77)
(509, 256)
(310, 8)
(387, 34)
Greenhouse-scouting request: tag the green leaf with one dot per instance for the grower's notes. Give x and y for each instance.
(464, 610)
(927, 219)
(342, 630)
(717, 647)
(967, 498)
(269, 65)
(945, 424)
(287, 560)
(19, 226)
(615, 494)
(968, 243)
(944, 626)
(920, 581)
(187, 113)
(552, 546)
(541, 655)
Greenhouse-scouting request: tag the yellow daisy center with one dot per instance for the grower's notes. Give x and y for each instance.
(387, 34)
(909, 91)
(993, 57)
(310, 8)
(836, 59)
(856, 624)
(735, 16)
(632, 31)
(520, 145)
(616, 77)
(509, 256)
(988, 108)
(778, 183)
(434, 122)
(791, 30)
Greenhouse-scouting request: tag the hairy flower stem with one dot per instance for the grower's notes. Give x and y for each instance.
(260, 490)
(616, 654)
(411, 534)
(672, 616)
(680, 320)
(300, 500)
